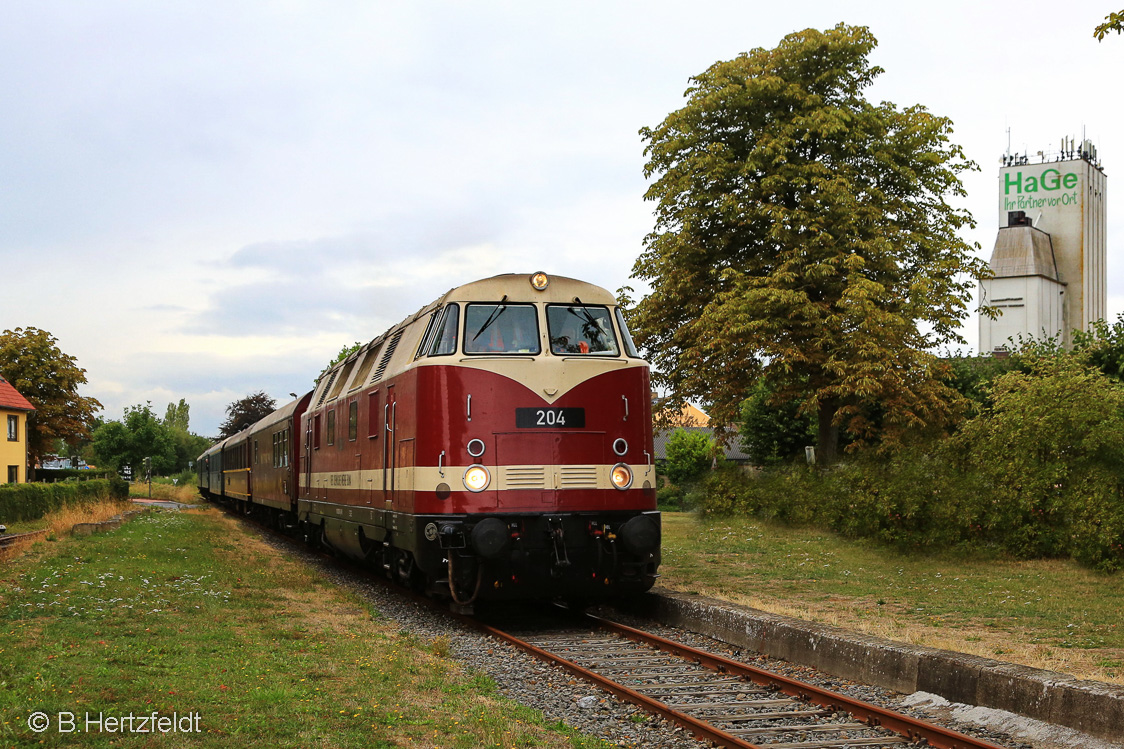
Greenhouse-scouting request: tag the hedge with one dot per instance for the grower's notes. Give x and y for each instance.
(33, 501)
(61, 474)
(920, 502)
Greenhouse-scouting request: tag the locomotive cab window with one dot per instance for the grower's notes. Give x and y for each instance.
(580, 329)
(626, 337)
(501, 329)
(427, 338)
(445, 342)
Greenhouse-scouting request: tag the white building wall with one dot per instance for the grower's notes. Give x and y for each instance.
(1029, 306)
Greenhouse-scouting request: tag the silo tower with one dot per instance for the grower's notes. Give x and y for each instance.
(1050, 253)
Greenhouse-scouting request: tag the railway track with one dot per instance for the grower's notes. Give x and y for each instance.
(720, 700)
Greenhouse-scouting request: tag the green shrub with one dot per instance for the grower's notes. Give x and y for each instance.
(669, 497)
(1050, 452)
(689, 455)
(61, 474)
(1039, 472)
(20, 502)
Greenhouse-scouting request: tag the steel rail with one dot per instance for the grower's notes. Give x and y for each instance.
(694, 725)
(872, 715)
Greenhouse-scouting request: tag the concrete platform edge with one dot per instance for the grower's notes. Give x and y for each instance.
(1092, 707)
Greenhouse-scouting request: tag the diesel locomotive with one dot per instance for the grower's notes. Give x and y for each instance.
(497, 444)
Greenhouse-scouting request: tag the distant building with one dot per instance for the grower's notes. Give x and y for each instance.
(1050, 254)
(14, 410)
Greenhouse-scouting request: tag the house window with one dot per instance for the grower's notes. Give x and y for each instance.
(13, 428)
(13, 474)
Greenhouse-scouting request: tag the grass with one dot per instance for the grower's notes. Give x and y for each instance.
(184, 613)
(58, 523)
(1049, 614)
(185, 493)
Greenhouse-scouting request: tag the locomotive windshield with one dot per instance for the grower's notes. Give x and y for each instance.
(501, 329)
(580, 329)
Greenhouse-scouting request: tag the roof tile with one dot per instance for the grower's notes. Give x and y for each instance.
(11, 399)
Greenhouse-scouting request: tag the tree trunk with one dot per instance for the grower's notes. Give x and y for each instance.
(827, 435)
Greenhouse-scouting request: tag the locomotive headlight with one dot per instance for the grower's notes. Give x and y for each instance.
(539, 281)
(621, 476)
(476, 478)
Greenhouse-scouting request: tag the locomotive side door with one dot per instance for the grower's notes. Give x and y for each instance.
(306, 457)
(389, 456)
(354, 445)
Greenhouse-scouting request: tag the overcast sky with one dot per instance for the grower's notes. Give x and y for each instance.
(202, 200)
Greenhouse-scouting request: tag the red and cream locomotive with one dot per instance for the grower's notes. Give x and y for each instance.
(495, 445)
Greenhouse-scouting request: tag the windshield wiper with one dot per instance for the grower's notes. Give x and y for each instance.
(492, 318)
(585, 313)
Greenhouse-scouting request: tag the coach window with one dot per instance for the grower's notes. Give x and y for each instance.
(352, 421)
(373, 427)
(501, 329)
(256, 454)
(331, 430)
(580, 329)
(445, 342)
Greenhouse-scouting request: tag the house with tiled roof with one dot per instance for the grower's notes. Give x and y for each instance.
(14, 410)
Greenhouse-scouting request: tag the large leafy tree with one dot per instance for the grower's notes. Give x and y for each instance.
(188, 446)
(178, 415)
(139, 435)
(32, 362)
(1112, 22)
(246, 411)
(803, 235)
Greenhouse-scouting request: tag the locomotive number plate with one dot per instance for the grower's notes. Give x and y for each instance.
(550, 418)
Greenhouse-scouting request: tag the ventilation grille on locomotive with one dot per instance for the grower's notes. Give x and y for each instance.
(328, 387)
(525, 477)
(385, 361)
(579, 477)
